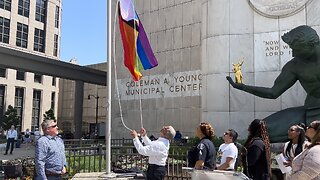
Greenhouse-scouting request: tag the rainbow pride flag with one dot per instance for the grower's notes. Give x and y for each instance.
(138, 54)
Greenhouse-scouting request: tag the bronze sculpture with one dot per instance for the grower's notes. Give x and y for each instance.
(236, 68)
(305, 68)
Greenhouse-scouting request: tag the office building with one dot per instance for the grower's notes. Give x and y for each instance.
(31, 26)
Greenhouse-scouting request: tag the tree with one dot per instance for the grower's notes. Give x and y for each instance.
(9, 118)
(49, 114)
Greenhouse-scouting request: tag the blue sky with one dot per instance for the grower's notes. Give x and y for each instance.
(83, 31)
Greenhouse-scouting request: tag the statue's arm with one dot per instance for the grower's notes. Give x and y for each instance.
(283, 82)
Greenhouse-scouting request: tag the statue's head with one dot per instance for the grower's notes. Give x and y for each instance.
(302, 40)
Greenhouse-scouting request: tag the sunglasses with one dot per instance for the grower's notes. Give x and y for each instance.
(52, 126)
(291, 130)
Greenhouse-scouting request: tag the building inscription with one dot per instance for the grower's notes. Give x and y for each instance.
(275, 48)
(178, 84)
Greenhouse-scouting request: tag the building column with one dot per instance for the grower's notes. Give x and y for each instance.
(78, 109)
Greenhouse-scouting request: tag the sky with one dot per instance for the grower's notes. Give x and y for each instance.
(84, 31)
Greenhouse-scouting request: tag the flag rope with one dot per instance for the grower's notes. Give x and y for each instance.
(116, 77)
(115, 67)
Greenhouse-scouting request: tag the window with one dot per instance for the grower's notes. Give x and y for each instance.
(23, 7)
(18, 104)
(53, 97)
(4, 30)
(21, 75)
(57, 17)
(2, 90)
(38, 40)
(54, 81)
(38, 78)
(3, 72)
(22, 35)
(5, 4)
(35, 109)
(55, 50)
(40, 10)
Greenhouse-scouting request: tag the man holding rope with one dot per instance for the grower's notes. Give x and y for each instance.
(157, 151)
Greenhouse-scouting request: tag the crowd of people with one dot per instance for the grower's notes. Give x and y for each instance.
(302, 151)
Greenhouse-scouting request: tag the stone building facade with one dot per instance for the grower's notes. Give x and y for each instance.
(195, 43)
(33, 27)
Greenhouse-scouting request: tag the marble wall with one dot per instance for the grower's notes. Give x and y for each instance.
(204, 37)
(232, 30)
(171, 91)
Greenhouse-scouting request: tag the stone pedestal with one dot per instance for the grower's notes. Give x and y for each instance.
(103, 175)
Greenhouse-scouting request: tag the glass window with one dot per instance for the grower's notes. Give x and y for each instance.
(54, 81)
(5, 4)
(57, 17)
(53, 97)
(4, 30)
(38, 78)
(55, 50)
(18, 104)
(23, 7)
(3, 72)
(35, 109)
(22, 35)
(20, 75)
(40, 10)
(2, 91)
(38, 40)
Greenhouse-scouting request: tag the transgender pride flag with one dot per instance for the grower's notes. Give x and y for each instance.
(138, 54)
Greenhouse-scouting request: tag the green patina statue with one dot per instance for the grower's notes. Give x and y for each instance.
(305, 68)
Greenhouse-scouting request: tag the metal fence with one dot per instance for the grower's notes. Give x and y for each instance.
(89, 156)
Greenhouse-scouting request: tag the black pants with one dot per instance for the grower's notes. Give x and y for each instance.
(156, 172)
(10, 141)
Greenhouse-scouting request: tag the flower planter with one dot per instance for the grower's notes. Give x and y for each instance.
(29, 171)
(12, 171)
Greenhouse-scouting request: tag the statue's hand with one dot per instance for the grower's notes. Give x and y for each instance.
(233, 84)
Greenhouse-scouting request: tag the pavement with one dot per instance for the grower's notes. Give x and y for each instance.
(25, 150)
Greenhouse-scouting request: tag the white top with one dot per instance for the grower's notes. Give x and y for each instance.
(227, 150)
(293, 149)
(12, 134)
(156, 150)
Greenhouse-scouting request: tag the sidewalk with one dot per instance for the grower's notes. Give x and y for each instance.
(25, 150)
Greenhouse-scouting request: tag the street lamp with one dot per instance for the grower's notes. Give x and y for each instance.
(97, 103)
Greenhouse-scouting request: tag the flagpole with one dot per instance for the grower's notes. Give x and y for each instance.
(108, 123)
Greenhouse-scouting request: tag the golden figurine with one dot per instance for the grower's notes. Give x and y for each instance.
(237, 71)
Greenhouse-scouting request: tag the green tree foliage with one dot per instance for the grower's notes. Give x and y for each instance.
(9, 118)
(49, 114)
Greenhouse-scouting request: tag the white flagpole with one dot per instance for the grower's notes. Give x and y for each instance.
(109, 57)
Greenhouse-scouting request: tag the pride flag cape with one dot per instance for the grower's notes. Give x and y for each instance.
(138, 54)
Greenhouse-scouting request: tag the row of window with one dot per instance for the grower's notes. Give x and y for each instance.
(22, 36)
(19, 101)
(24, 9)
(21, 75)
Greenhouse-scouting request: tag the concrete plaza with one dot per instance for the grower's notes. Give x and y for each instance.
(25, 150)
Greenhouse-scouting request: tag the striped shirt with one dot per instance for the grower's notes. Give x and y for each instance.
(49, 156)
